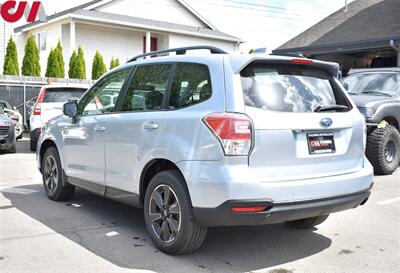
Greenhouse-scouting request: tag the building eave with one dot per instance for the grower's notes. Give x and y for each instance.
(343, 47)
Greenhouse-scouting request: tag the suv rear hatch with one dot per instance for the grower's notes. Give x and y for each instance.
(54, 98)
(304, 125)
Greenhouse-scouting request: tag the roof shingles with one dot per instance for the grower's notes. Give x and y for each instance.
(364, 20)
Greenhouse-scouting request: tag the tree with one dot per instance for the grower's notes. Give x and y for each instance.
(98, 66)
(31, 61)
(50, 64)
(72, 66)
(59, 65)
(251, 51)
(80, 65)
(10, 66)
(114, 63)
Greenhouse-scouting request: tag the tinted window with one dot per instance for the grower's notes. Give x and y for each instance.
(191, 85)
(148, 88)
(384, 83)
(102, 97)
(290, 88)
(63, 94)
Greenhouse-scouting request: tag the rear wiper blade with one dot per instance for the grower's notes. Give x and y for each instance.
(326, 108)
(353, 93)
(377, 93)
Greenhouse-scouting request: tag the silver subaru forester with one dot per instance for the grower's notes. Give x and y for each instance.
(203, 140)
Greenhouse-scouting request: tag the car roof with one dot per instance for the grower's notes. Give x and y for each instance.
(237, 61)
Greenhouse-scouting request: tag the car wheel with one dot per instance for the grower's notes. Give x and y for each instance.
(18, 131)
(33, 145)
(169, 216)
(308, 222)
(54, 177)
(383, 149)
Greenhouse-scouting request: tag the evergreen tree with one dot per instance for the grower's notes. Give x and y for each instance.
(98, 66)
(114, 63)
(59, 66)
(80, 72)
(50, 65)
(251, 51)
(11, 59)
(72, 66)
(31, 61)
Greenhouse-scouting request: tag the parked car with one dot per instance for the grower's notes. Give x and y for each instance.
(14, 114)
(212, 140)
(376, 92)
(7, 133)
(49, 105)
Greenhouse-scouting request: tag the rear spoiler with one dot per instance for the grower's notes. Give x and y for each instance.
(331, 68)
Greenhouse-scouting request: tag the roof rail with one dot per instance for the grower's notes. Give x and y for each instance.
(179, 51)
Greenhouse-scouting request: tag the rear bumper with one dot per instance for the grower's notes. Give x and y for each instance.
(276, 212)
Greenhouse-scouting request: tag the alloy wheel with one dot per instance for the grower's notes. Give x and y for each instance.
(390, 151)
(165, 213)
(50, 173)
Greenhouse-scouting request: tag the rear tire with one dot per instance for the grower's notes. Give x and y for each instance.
(33, 145)
(308, 222)
(54, 178)
(13, 149)
(383, 149)
(181, 234)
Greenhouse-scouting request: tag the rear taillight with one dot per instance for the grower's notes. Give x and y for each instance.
(37, 109)
(365, 133)
(301, 61)
(234, 131)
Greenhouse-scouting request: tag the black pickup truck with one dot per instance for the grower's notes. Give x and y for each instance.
(376, 92)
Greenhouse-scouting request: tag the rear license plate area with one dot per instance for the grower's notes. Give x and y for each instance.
(321, 143)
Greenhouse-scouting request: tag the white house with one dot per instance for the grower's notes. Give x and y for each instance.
(123, 29)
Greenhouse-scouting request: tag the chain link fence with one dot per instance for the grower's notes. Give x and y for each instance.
(17, 90)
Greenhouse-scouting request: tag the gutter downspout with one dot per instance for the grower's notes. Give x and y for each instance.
(397, 49)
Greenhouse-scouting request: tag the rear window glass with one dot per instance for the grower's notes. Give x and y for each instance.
(289, 88)
(63, 94)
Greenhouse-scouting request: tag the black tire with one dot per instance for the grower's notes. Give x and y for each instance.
(308, 222)
(33, 145)
(383, 149)
(189, 236)
(54, 187)
(13, 149)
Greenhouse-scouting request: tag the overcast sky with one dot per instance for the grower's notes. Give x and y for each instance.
(262, 23)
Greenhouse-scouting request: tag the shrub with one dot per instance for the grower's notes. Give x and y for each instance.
(72, 66)
(80, 65)
(114, 63)
(10, 66)
(50, 64)
(31, 61)
(98, 66)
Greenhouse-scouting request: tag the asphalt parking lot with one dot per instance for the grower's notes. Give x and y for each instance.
(92, 234)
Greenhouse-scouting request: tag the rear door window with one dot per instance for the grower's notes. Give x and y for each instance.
(191, 85)
(290, 88)
(148, 88)
(63, 94)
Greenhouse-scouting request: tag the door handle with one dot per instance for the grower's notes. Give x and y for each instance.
(150, 126)
(100, 128)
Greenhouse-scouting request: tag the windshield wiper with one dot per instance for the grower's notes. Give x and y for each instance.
(326, 108)
(376, 92)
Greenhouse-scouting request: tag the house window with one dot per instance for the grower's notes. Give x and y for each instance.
(41, 40)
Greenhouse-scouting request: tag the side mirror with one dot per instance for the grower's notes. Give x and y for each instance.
(70, 109)
(29, 103)
(346, 86)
